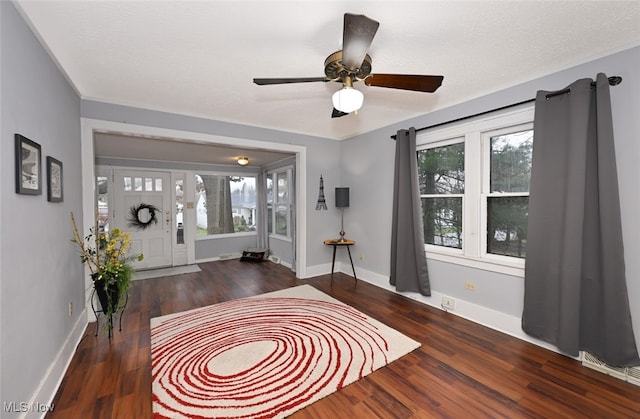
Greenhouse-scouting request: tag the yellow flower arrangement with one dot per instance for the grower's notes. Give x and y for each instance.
(109, 263)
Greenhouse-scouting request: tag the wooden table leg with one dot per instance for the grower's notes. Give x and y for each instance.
(333, 261)
(352, 268)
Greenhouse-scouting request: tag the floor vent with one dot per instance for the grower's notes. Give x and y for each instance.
(630, 374)
(633, 375)
(274, 259)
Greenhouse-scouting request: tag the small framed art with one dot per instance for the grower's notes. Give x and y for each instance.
(54, 180)
(28, 166)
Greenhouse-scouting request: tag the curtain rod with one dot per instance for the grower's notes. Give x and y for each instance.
(613, 81)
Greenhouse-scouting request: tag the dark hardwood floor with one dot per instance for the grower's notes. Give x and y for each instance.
(462, 370)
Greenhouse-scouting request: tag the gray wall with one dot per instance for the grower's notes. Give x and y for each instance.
(207, 249)
(370, 174)
(281, 249)
(40, 270)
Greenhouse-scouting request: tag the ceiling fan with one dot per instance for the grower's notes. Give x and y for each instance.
(353, 64)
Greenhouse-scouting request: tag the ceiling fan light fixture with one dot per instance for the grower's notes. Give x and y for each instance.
(347, 99)
(243, 160)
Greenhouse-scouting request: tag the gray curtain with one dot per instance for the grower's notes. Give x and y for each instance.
(575, 286)
(408, 260)
(261, 210)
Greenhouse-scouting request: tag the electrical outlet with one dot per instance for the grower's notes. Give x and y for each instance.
(448, 303)
(70, 308)
(470, 286)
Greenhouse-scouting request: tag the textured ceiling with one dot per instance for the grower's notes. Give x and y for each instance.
(199, 57)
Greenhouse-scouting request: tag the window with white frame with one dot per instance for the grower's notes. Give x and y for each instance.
(507, 190)
(441, 180)
(278, 202)
(474, 188)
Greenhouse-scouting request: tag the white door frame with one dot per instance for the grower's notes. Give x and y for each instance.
(182, 254)
(162, 253)
(89, 126)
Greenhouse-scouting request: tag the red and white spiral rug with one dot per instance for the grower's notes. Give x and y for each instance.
(265, 356)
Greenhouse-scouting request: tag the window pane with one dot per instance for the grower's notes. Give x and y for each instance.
(103, 203)
(225, 204)
(243, 202)
(269, 189)
(179, 210)
(137, 184)
(102, 185)
(442, 219)
(283, 187)
(127, 183)
(281, 220)
(507, 225)
(148, 184)
(159, 184)
(441, 169)
(511, 162)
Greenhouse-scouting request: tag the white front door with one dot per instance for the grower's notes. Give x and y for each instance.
(142, 207)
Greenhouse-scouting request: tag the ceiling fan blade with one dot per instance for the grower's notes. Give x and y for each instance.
(413, 82)
(263, 82)
(358, 33)
(337, 114)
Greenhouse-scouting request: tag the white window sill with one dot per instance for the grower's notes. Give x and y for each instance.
(498, 264)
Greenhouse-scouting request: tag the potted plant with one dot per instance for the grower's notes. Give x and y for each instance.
(105, 253)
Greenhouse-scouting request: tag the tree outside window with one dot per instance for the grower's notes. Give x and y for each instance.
(441, 180)
(225, 204)
(508, 197)
(474, 186)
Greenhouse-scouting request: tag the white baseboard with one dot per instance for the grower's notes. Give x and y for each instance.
(317, 270)
(227, 256)
(286, 264)
(46, 391)
(224, 256)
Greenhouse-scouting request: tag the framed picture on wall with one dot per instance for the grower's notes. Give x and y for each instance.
(54, 180)
(28, 166)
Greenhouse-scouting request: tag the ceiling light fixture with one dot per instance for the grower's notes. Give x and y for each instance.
(243, 161)
(347, 99)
